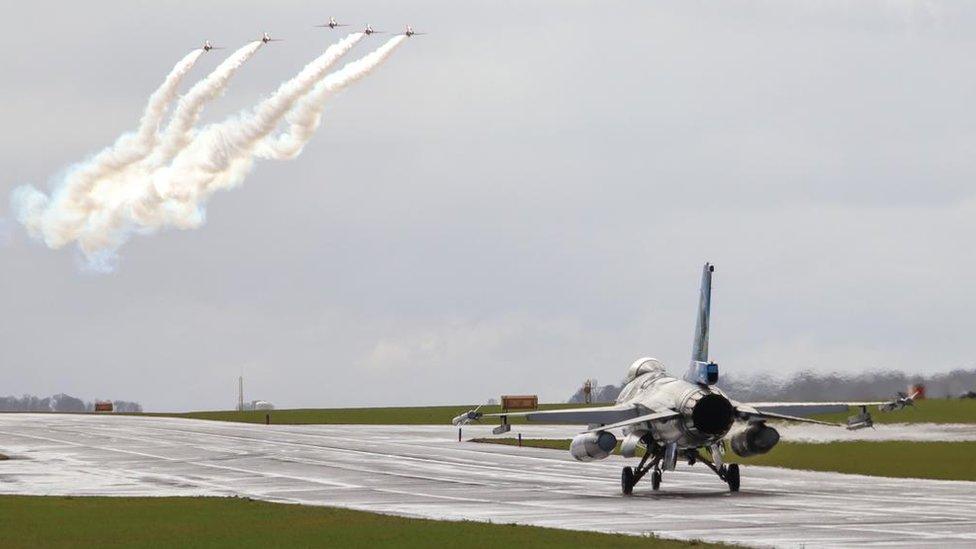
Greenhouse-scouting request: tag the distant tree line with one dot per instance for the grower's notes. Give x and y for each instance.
(59, 403)
(813, 386)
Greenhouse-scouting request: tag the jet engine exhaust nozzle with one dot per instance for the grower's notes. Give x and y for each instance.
(757, 439)
(712, 415)
(592, 446)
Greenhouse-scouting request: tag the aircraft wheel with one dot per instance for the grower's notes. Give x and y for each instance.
(732, 477)
(627, 481)
(656, 479)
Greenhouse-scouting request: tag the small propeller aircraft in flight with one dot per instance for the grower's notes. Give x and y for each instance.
(207, 46)
(333, 24)
(674, 419)
(267, 38)
(411, 32)
(369, 30)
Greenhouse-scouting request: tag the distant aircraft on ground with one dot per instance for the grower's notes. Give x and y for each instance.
(333, 24)
(674, 418)
(411, 32)
(207, 46)
(369, 30)
(267, 38)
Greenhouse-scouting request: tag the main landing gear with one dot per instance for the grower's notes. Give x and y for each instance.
(629, 477)
(650, 463)
(729, 473)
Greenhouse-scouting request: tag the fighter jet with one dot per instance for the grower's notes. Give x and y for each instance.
(267, 38)
(333, 24)
(410, 32)
(207, 46)
(369, 30)
(672, 418)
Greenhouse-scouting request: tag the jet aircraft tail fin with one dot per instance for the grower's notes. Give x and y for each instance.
(701, 370)
(699, 347)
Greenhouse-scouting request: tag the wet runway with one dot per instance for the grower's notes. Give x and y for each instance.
(422, 471)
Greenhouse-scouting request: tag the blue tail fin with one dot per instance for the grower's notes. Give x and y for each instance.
(701, 370)
(699, 348)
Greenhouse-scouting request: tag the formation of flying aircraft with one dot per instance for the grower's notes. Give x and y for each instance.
(673, 419)
(333, 24)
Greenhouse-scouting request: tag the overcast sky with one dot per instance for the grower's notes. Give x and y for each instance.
(517, 201)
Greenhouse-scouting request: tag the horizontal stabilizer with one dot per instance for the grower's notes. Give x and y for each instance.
(656, 416)
(746, 411)
(578, 416)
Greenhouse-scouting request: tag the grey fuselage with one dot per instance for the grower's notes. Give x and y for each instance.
(706, 414)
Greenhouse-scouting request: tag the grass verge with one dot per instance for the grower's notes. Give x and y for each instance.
(406, 415)
(902, 459)
(925, 411)
(38, 521)
(931, 410)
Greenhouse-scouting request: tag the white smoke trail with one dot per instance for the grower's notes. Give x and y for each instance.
(58, 219)
(218, 158)
(223, 153)
(178, 132)
(146, 196)
(306, 117)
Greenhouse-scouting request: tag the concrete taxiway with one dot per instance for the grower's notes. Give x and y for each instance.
(422, 471)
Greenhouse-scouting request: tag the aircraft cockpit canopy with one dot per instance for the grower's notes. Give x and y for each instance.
(645, 365)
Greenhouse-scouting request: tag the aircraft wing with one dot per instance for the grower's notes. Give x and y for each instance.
(749, 411)
(655, 416)
(814, 404)
(808, 408)
(579, 416)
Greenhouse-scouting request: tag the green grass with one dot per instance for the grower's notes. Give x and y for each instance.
(889, 458)
(420, 415)
(38, 521)
(931, 460)
(925, 411)
(933, 410)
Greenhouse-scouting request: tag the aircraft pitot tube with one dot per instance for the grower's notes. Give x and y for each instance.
(592, 446)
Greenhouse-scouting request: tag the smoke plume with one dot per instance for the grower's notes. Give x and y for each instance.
(57, 220)
(150, 181)
(218, 158)
(178, 132)
(307, 115)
